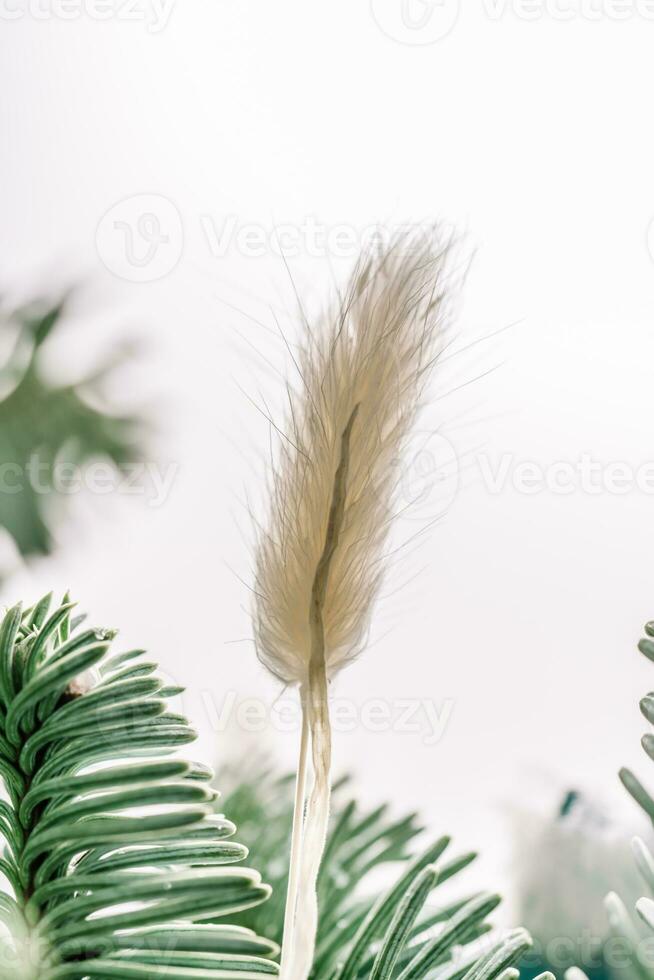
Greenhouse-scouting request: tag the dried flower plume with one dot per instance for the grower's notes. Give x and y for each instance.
(363, 371)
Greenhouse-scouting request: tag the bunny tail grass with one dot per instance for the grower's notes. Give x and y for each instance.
(318, 570)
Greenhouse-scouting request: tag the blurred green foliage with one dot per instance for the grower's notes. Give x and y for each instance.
(42, 423)
(375, 892)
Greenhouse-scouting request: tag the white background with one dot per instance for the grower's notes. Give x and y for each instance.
(532, 136)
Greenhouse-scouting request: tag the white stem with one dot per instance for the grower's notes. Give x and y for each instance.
(315, 830)
(296, 850)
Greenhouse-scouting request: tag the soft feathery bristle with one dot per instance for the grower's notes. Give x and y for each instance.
(369, 357)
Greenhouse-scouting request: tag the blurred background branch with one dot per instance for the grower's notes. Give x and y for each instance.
(47, 428)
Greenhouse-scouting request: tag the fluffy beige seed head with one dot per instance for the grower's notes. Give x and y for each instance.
(363, 371)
